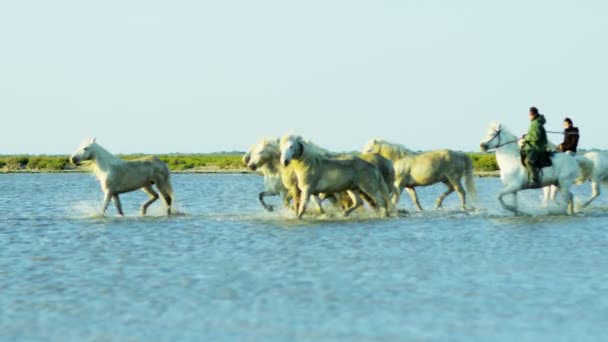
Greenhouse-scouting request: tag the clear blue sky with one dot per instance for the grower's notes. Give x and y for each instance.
(205, 76)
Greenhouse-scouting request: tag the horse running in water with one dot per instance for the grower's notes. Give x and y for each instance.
(426, 168)
(562, 173)
(117, 176)
(317, 173)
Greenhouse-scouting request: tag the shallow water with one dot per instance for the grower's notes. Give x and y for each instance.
(226, 270)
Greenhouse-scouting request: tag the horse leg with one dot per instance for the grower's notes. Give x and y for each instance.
(319, 205)
(397, 194)
(295, 194)
(414, 197)
(376, 199)
(356, 202)
(106, 202)
(164, 187)
(304, 199)
(511, 208)
(153, 197)
(462, 194)
(595, 192)
(287, 196)
(442, 197)
(261, 198)
(381, 204)
(546, 195)
(118, 205)
(568, 199)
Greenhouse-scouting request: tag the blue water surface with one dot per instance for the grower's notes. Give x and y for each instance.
(224, 269)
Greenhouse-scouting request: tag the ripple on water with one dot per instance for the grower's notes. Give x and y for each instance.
(227, 269)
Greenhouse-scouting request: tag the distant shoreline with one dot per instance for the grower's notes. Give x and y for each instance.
(484, 165)
(202, 171)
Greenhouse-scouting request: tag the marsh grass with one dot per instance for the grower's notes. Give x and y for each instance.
(177, 162)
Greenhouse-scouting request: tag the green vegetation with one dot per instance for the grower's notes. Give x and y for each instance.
(483, 162)
(180, 162)
(177, 162)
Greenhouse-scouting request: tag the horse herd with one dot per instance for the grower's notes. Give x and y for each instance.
(298, 171)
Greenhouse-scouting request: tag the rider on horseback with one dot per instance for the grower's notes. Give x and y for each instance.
(571, 136)
(535, 144)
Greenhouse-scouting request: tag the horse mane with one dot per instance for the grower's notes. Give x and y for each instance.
(103, 158)
(312, 151)
(392, 151)
(495, 126)
(263, 144)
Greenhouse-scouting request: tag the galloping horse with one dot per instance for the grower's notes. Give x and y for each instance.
(317, 173)
(427, 168)
(514, 175)
(117, 176)
(278, 180)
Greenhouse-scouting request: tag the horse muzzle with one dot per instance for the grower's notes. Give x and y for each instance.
(74, 161)
(483, 147)
(252, 167)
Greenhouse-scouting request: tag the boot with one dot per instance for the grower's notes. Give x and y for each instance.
(535, 178)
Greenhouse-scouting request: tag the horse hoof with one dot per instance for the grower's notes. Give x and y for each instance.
(269, 208)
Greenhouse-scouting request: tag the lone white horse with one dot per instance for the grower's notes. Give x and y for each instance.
(117, 176)
(514, 175)
(426, 168)
(317, 173)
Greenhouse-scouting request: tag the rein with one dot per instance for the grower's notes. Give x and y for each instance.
(498, 145)
(563, 133)
(507, 143)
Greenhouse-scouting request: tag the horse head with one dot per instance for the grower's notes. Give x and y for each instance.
(246, 158)
(371, 146)
(493, 139)
(262, 153)
(85, 152)
(292, 147)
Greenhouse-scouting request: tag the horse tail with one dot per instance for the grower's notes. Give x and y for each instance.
(469, 182)
(163, 183)
(385, 193)
(586, 166)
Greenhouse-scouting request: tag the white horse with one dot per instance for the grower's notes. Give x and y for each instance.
(317, 173)
(594, 169)
(117, 176)
(279, 180)
(426, 168)
(265, 157)
(514, 176)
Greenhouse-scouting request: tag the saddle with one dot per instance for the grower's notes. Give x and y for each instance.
(544, 159)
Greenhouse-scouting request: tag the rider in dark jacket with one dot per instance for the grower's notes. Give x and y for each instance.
(571, 136)
(535, 143)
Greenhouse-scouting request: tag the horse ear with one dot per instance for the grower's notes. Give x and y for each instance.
(94, 140)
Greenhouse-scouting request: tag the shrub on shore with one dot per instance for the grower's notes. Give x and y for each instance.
(484, 162)
(181, 162)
